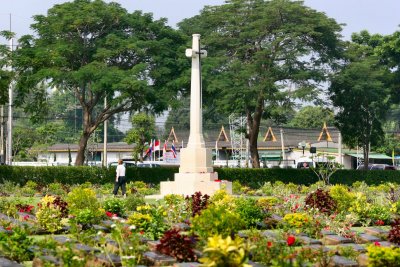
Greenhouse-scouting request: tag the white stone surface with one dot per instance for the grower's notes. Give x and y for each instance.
(195, 172)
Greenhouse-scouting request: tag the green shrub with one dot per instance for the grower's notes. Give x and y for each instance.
(343, 197)
(216, 220)
(132, 201)
(383, 256)
(253, 178)
(249, 211)
(115, 206)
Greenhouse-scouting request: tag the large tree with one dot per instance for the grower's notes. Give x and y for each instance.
(143, 129)
(312, 117)
(262, 55)
(95, 50)
(361, 93)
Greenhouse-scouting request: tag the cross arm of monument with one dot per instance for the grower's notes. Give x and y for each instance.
(193, 53)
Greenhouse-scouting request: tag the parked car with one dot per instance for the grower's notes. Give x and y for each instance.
(148, 165)
(126, 164)
(378, 167)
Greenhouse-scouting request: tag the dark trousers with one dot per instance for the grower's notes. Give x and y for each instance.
(121, 183)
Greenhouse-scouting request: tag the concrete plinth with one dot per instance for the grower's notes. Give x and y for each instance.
(196, 160)
(190, 183)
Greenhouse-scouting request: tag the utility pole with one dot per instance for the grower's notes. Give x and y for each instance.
(10, 103)
(283, 149)
(340, 148)
(105, 137)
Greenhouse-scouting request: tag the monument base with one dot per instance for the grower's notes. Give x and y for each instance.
(187, 184)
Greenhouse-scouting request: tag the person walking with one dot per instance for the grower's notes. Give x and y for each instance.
(120, 180)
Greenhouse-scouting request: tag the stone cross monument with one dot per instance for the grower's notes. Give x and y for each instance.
(195, 172)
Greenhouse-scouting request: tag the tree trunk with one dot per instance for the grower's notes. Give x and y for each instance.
(88, 129)
(366, 155)
(253, 136)
(80, 157)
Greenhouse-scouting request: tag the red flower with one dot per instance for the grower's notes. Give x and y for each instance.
(380, 222)
(377, 244)
(21, 210)
(290, 240)
(218, 181)
(269, 244)
(8, 228)
(109, 214)
(141, 232)
(26, 217)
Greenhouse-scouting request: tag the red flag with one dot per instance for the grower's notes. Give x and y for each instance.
(165, 147)
(157, 145)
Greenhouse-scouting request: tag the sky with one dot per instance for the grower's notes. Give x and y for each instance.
(373, 15)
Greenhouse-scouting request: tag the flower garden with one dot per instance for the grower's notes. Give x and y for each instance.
(276, 224)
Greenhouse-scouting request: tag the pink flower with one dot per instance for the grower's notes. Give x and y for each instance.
(377, 244)
(26, 217)
(291, 240)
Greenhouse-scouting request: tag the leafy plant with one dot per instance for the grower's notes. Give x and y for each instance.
(221, 251)
(379, 256)
(115, 206)
(84, 198)
(178, 245)
(394, 232)
(149, 221)
(132, 201)
(15, 245)
(216, 220)
(56, 189)
(321, 200)
(343, 197)
(249, 211)
(197, 202)
(49, 215)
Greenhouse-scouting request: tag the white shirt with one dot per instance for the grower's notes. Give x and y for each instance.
(120, 170)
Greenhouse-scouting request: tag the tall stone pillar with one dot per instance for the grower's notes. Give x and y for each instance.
(195, 172)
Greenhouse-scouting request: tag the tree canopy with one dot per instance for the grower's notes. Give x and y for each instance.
(360, 92)
(94, 50)
(312, 117)
(263, 54)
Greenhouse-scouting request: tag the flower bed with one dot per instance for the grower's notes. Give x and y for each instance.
(276, 224)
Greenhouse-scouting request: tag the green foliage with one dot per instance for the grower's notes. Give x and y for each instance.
(312, 117)
(216, 220)
(95, 49)
(11, 176)
(132, 201)
(16, 245)
(115, 206)
(83, 204)
(143, 129)
(86, 217)
(343, 197)
(255, 46)
(221, 251)
(360, 92)
(379, 256)
(249, 211)
(49, 215)
(149, 221)
(56, 189)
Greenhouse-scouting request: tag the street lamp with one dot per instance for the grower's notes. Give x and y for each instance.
(303, 145)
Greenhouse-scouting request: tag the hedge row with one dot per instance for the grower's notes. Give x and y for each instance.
(251, 177)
